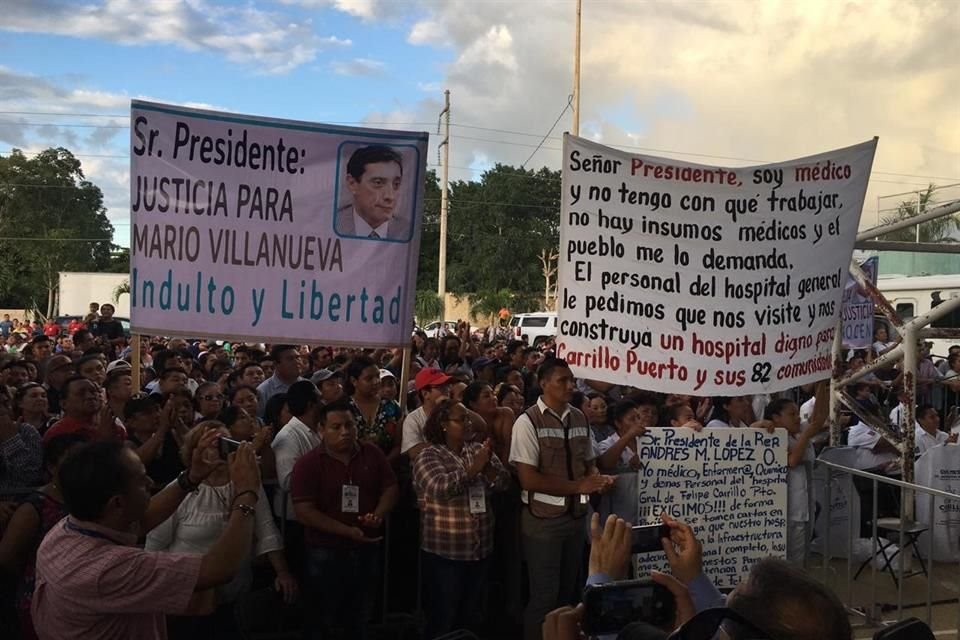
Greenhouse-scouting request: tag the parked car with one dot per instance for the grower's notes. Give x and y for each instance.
(435, 329)
(534, 328)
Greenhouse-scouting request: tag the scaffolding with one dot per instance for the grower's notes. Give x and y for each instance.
(911, 334)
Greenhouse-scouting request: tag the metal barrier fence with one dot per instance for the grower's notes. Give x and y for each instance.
(906, 529)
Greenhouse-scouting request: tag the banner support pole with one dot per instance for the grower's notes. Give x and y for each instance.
(135, 361)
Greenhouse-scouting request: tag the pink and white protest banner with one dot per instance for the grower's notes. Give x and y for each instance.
(704, 280)
(251, 228)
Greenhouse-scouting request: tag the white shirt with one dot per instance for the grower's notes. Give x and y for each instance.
(200, 520)
(896, 415)
(807, 409)
(798, 491)
(625, 456)
(865, 439)
(926, 441)
(363, 230)
(525, 447)
(413, 430)
(290, 444)
(717, 423)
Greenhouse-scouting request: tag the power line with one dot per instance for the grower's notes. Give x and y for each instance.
(552, 127)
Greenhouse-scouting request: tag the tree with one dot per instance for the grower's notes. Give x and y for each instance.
(119, 261)
(939, 230)
(51, 219)
(427, 307)
(549, 262)
(488, 303)
(498, 227)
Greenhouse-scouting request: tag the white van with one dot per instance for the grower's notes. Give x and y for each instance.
(534, 328)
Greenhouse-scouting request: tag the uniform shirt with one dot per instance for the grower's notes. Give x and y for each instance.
(525, 445)
(925, 441)
(448, 528)
(94, 584)
(798, 482)
(319, 478)
(865, 439)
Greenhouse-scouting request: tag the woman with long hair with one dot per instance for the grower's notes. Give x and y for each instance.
(378, 420)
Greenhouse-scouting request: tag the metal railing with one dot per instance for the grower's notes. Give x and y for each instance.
(872, 613)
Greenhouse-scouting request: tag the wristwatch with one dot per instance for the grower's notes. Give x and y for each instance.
(183, 481)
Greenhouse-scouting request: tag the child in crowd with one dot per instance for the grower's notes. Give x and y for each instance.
(785, 414)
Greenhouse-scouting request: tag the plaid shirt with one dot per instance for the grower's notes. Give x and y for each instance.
(448, 529)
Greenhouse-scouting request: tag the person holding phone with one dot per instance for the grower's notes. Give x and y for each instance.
(197, 524)
(92, 581)
(342, 492)
(455, 479)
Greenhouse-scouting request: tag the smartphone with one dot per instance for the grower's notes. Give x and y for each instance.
(611, 607)
(646, 538)
(227, 446)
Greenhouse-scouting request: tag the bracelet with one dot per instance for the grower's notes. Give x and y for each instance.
(241, 494)
(245, 509)
(183, 481)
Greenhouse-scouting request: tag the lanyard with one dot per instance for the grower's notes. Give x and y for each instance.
(90, 533)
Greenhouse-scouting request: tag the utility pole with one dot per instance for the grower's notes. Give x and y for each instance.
(444, 188)
(576, 76)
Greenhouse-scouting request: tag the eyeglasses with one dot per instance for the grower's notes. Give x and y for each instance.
(709, 622)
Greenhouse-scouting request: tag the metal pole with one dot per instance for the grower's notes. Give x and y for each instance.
(135, 361)
(444, 190)
(931, 214)
(836, 429)
(576, 75)
(908, 415)
(918, 213)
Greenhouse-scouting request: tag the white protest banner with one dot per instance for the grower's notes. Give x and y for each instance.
(249, 228)
(729, 485)
(939, 468)
(685, 278)
(857, 314)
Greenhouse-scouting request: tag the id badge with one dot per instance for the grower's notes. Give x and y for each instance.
(478, 499)
(350, 499)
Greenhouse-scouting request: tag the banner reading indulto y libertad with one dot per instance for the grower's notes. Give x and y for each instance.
(250, 228)
(685, 278)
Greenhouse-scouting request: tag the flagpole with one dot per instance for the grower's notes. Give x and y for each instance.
(576, 75)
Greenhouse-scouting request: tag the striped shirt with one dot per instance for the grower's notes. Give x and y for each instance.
(448, 528)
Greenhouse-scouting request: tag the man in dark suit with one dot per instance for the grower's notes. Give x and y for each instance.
(374, 176)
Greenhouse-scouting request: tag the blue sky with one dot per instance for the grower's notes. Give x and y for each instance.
(727, 80)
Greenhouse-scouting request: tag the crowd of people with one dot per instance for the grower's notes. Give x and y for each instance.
(152, 510)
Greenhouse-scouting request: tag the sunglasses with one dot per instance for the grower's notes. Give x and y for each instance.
(709, 622)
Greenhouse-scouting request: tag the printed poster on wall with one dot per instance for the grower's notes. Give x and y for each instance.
(251, 228)
(685, 278)
(729, 485)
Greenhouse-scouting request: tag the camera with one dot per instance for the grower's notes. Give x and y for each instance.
(646, 538)
(611, 607)
(227, 446)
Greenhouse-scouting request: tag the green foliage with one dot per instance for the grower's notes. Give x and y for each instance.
(939, 230)
(427, 307)
(48, 210)
(496, 229)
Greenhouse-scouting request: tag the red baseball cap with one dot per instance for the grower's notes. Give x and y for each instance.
(430, 377)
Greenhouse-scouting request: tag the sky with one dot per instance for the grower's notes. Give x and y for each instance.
(726, 83)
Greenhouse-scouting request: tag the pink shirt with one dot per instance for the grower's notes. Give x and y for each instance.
(92, 583)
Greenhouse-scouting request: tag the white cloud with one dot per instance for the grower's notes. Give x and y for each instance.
(358, 67)
(769, 81)
(241, 33)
